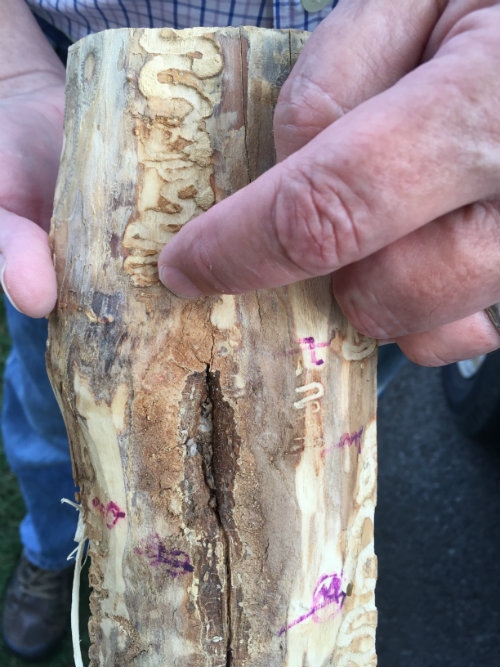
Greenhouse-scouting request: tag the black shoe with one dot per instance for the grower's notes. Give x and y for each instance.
(36, 609)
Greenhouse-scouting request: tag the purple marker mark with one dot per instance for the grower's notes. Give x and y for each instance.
(111, 512)
(310, 344)
(327, 592)
(347, 440)
(175, 562)
(313, 346)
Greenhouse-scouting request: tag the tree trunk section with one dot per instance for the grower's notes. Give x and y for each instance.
(225, 447)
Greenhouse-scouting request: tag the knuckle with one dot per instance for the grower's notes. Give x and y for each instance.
(371, 325)
(313, 224)
(365, 307)
(304, 108)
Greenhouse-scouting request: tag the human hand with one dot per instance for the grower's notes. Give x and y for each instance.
(31, 120)
(387, 132)
(30, 145)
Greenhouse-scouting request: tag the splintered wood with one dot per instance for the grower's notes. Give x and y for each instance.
(225, 448)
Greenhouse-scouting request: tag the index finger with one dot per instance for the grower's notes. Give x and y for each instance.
(423, 148)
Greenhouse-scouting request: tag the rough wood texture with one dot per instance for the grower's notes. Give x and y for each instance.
(225, 447)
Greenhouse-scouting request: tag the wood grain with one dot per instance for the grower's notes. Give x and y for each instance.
(225, 447)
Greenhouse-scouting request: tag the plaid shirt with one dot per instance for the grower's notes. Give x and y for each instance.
(77, 18)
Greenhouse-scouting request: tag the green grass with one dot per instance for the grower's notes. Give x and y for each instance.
(11, 512)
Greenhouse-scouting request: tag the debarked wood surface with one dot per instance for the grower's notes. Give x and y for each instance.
(225, 447)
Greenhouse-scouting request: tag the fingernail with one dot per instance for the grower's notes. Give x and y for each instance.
(177, 283)
(389, 341)
(2, 282)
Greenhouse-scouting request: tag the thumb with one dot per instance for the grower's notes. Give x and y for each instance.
(26, 270)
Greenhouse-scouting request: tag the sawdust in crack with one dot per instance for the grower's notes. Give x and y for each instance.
(212, 482)
(223, 466)
(208, 609)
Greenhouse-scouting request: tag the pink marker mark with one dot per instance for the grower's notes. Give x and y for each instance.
(327, 592)
(313, 346)
(347, 440)
(111, 512)
(174, 561)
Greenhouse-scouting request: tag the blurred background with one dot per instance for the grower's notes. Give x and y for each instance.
(437, 530)
(437, 527)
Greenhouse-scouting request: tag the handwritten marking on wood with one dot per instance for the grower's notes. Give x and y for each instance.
(111, 512)
(174, 561)
(346, 440)
(313, 345)
(327, 593)
(309, 343)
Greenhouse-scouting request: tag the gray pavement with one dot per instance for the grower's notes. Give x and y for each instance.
(437, 533)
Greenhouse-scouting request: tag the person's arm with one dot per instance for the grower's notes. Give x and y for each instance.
(31, 118)
(388, 135)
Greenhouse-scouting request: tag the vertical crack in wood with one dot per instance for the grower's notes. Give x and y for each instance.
(211, 457)
(244, 97)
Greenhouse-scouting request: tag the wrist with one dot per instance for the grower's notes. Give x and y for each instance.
(27, 60)
(31, 81)
(21, 83)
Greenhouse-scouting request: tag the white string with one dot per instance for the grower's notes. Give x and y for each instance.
(77, 553)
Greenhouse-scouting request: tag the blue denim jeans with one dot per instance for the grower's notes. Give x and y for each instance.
(36, 444)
